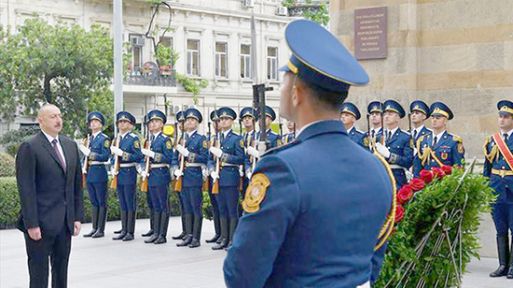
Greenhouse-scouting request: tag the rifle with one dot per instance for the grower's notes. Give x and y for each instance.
(179, 180)
(259, 102)
(209, 138)
(215, 184)
(369, 133)
(147, 145)
(409, 122)
(114, 182)
(85, 165)
(281, 126)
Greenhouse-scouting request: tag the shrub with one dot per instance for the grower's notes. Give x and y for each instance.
(7, 165)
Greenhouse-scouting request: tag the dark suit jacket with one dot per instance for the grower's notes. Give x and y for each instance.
(50, 196)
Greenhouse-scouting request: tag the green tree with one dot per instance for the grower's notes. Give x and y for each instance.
(66, 66)
(316, 11)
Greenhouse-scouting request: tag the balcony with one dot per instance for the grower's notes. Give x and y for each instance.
(150, 78)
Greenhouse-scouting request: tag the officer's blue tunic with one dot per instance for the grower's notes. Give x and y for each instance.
(273, 139)
(96, 177)
(127, 176)
(193, 176)
(304, 234)
(229, 178)
(289, 137)
(424, 131)
(357, 136)
(158, 181)
(448, 149)
(248, 138)
(401, 147)
(502, 212)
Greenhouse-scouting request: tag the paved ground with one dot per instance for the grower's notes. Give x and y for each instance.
(106, 263)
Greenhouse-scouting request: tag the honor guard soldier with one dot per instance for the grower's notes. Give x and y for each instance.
(291, 135)
(419, 113)
(273, 138)
(194, 152)
(180, 119)
(395, 145)
(249, 118)
(498, 166)
(212, 138)
(96, 152)
(228, 157)
(160, 154)
(349, 114)
(375, 110)
(440, 147)
(140, 168)
(305, 196)
(127, 150)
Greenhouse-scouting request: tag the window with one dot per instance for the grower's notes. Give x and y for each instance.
(272, 63)
(221, 56)
(137, 43)
(193, 57)
(245, 61)
(167, 42)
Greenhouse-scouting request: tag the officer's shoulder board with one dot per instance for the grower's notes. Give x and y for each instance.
(359, 131)
(281, 148)
(104, 135)
(457, 138)
(405, 132)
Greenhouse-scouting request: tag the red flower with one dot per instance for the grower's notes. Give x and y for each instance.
(426, 175)
(399, 213)
(447, 169)
(439, 173)
(417, 184)
(404, 194)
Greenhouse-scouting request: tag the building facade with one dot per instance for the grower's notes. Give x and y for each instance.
(456, 51)
(211, 37)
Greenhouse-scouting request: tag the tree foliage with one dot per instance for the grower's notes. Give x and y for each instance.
(66, 66)
(316, 11)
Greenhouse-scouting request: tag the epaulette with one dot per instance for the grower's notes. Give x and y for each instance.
(456, 138)
(405, 132)
(281, 148)
(359, 131)
(104, 135)
(234, 133)
(133, 134)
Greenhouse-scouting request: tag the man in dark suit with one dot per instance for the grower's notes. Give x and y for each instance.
(49, 179)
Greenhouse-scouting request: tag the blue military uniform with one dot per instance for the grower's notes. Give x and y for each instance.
(500, 172)
(159, 178)
(130, 144)
(213, 199)
(249, 138)
(273, 139)
(446, 150)
(299, 209)
(196, 145)
(354, 134)
(232, 157)
(180, 119)
(422, 107)
(400, 144)
(96, 176)
(289, 137)
(372, 134)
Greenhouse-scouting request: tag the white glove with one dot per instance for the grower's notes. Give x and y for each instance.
(249, 174)
(116, 151)
(86, 151)
(415, 151)
(214, 175)
(178, 173)
(113, 172)
(84, 171)
(216, 151)
(241, 171)
(144, 175)
(204, 172)
(182, 150)
(253, 152)
(148, 152)
(382, 150)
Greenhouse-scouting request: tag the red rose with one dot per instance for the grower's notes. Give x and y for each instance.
(417, 184)
(404, 194)
(399, 213)
(438, 173)
(426, 175)
(447, 169)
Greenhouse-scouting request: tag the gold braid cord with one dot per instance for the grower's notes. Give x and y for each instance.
(493, 151)
(388, 227)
